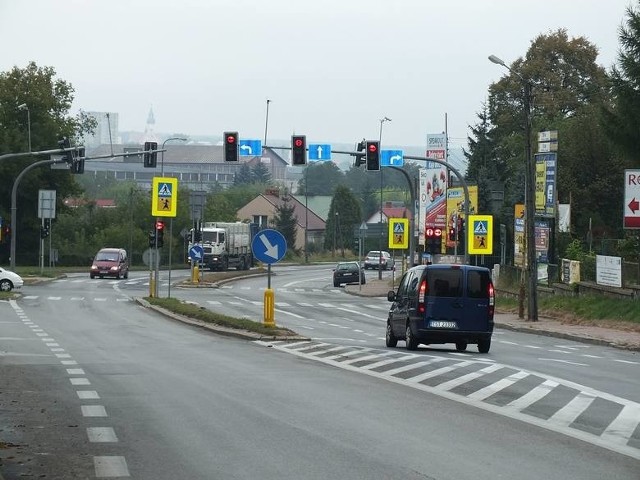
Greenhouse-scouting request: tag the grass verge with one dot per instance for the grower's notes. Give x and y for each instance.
(583, 310)
(200, 313)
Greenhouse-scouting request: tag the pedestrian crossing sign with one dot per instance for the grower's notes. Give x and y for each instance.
(480, 234)
(164, 201)
(399, 233)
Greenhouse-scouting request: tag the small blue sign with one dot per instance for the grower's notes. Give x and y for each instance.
(250, 148)
(196, 253)
(269, 246)
(319, 151)
(391, 158)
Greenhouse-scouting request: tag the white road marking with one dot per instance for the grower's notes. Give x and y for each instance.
(68, 362)
(80, 381)
(87, 395)
(625, 361)
(572, 410)
(533, 395)
(110, 467)
(75, 371)
(63, 355)
(620, 430)
(454, 382)
(93, 411)
(564, 361)
(101, 435)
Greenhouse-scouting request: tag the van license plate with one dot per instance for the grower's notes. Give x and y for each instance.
(442, 324)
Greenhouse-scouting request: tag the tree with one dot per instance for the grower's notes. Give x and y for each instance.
(344, 214)
(285, 222)
(622, 117)
(320, 178)
(243, 175)
(260, 173)
(567, 84)
(48, 100)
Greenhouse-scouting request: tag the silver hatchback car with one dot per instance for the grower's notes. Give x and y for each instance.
(375, 260)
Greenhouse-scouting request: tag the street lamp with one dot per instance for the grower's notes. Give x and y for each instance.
(382, 120)
(25, 107)
(162, 154)
(529, 197)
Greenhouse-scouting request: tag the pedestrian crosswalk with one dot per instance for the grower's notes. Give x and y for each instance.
(563, 406)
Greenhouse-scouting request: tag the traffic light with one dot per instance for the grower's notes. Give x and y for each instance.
(452, 234)
(152, 239)
(298, 150)
(64, 143)
(44, 229)
(360, 146)
(433, 240)
(230, 146)
(160, 233)
(373, 155)
(150, 155)
(78, 162)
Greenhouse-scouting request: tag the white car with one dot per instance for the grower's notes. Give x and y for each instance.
(9, 280)
(373, 260)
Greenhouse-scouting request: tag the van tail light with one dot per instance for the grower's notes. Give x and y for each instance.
(492, 299)
(422, 294)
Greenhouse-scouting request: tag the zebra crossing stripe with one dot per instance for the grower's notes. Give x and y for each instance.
(622, 427)
(567, 414)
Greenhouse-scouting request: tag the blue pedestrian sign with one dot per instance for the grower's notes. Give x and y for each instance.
(196, 253)
(250, 148)
(319, 151)
(269, 246)
(391, 158)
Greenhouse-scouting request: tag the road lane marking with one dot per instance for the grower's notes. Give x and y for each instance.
(564, 361)
(87, 395)
(75, 371)
(93, 411)
(112, 466)
(572, 410)
(101, 435)
(80, 381)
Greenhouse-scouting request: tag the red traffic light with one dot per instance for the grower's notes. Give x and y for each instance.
(373, 147)
(231, 139)
(159, 225)
(298, 142)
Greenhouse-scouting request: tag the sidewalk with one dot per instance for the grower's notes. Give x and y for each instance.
(618, 338)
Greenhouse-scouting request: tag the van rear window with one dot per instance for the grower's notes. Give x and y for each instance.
(445, 282)
(478, 284)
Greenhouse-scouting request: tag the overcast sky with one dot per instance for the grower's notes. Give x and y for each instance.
(331, 68)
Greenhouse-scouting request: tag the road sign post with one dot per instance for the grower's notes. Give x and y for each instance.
(269, 246)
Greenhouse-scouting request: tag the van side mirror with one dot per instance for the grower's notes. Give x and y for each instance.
(391, 296)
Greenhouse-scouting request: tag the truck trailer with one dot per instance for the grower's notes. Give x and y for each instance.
(225, 244)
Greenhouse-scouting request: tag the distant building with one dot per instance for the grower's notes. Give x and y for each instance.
(197, 167)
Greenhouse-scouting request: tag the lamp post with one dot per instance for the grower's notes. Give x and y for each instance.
(25, 107)
(382, 120)
(162, 153)
(529, 198)
(170, 223)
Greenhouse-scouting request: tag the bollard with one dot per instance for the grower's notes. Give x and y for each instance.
(269, 308)
(152, 285)
(196, 275)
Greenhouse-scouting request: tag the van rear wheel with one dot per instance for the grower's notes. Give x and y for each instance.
(461, 346)
(484, 345)
(412, 343)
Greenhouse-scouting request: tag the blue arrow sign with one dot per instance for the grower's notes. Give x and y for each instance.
(196, 253)
(269, 246)
(250, 148)
(319, 151)
(391, 158)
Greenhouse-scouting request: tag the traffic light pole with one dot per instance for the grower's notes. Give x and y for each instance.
(461, 179)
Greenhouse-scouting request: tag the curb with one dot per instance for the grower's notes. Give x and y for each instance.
(229, 332)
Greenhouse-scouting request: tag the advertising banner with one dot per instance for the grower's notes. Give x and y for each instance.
(432, 200)
(545, 184)
(455, 209)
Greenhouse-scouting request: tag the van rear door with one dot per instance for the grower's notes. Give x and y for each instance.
(445, 305)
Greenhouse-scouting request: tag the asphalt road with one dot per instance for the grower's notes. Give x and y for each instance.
(94, 386)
